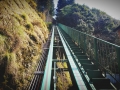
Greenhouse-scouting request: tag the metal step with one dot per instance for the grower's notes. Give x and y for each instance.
(102, 83)
(75, 48)
(80, 57)
(79, 53)
(89, 66)
(85, 61)
(94, 74)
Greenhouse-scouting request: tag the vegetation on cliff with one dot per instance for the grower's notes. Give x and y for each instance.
(22, 34)
(46, 9)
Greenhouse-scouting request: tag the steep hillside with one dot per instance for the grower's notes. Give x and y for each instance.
(22, 34)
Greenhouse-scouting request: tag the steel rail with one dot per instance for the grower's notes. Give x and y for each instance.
(80, 82)
(47, 74)
(83, 70)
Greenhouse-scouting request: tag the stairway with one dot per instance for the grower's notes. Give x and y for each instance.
(89, 69)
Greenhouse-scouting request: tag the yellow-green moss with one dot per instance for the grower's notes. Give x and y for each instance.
(2, 39)
(18, 17)
(24, 16)
(22, 32)
(29, 26)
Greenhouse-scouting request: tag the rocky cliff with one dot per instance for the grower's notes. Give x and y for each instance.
(22, 34)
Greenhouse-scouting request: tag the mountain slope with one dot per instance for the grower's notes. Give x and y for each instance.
(22, 34)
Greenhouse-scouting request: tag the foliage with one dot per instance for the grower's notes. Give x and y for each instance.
(43, 5)
(42, 15)
(92, 21)
(63, 3)
(49, 25)
(51, 11)
(22, 33)
(32, 3)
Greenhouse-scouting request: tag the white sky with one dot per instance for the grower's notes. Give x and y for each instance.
(55, 2)
(111, 7)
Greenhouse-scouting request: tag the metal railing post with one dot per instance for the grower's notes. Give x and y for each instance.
(47, 73)
(84, 43)
(118, 57)
(78, 39)
(55, 77)
(96, 50)
(104, 53)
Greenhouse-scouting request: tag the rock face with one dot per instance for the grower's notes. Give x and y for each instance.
(22, 34)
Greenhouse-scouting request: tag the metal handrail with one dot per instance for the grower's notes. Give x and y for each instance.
(47, 74)
(101, 51)
(73, 66)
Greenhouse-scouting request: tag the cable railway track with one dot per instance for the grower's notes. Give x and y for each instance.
(90, 72)
(87, 74)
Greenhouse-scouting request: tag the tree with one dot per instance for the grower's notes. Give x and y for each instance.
(85, 19)
(43, 5)
(51, 11)
(70, 2)
(63, 3)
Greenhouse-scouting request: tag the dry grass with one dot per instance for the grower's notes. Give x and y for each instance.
(37, 23)
(19, 18)
(4, 32)
(42, 15)
(64, 80)
(19, 53)
(16, 44)
(2, 40)
(32, 4)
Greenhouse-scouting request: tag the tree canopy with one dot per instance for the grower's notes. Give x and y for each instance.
(45, 5)
(91, 21)
(63, 3)
(85, 19)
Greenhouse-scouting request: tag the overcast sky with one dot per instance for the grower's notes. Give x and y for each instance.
(111, 7)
